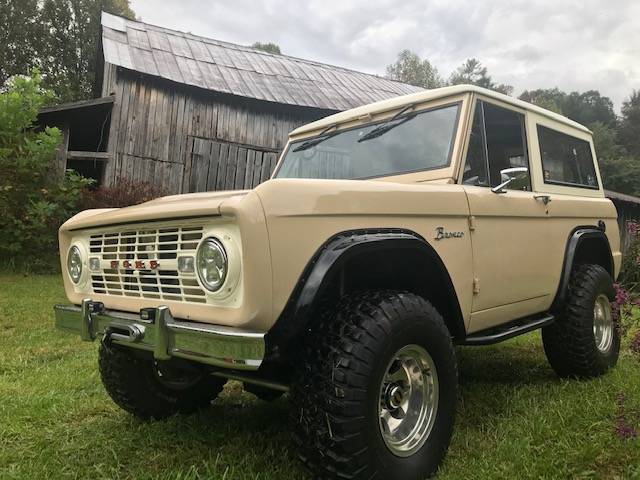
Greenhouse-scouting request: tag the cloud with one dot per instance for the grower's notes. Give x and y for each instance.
(572, 45)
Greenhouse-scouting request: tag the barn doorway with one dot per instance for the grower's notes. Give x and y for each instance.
(85, 126)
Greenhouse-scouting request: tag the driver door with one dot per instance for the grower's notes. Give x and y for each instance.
(507, 229)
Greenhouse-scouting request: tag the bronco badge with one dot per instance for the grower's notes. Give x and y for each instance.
(441, 234)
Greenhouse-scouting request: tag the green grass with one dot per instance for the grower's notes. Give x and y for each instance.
(516, 419)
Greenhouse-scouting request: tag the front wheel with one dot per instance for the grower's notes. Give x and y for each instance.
(150, 389)
(584, 341)
(376, 394)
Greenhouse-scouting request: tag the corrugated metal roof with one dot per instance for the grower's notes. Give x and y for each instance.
(239, 70)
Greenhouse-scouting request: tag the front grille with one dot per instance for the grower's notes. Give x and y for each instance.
(143, 262)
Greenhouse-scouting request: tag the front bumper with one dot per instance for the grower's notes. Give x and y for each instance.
(155, 330)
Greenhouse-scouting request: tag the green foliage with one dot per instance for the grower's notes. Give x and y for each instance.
(268, 47)
(410, 68)
(589, 107)
(60, 37)
(586, 108)
(630, 124)
(549, 98)
(474, 73)
(604, 139)
(33, 203)
(19, 37)
(620, 174)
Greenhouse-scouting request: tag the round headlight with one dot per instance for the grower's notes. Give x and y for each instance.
(211, 263)
(74, 264)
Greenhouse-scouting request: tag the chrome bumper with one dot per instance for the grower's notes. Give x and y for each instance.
(155, 330)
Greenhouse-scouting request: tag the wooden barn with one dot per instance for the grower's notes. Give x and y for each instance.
(628, 208)
(193, 114)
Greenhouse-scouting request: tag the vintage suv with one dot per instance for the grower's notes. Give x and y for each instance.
(387, 235)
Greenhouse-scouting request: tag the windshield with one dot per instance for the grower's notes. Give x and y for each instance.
(412, 142)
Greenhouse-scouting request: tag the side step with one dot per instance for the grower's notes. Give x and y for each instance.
(510, 330)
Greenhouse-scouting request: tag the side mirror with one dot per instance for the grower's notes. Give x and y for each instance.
(511, 174)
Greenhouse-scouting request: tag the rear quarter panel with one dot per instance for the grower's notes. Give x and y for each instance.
(572, 207)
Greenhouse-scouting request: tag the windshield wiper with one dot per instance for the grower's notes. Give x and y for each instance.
(319, 139)
(389, 124)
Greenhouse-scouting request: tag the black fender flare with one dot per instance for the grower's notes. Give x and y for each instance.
(329, 258)
(576, 238)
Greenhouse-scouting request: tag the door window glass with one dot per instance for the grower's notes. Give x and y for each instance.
(476, 169)
(497, 143)
(566, 160)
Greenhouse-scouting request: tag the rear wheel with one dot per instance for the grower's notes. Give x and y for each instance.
(376, 393)
(150, 389)
(585, 341)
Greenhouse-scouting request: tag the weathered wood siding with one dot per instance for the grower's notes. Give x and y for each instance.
(191, 140)
(627, 212)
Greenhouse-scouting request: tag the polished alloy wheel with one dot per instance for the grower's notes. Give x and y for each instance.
(408, 400)
(603, 323)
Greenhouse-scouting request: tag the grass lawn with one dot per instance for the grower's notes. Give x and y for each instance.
(516, 419)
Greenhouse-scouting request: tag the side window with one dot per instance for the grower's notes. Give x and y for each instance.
(497, 143)
(476, 168)
(566, 160)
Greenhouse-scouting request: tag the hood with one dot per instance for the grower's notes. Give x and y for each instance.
(205, 204)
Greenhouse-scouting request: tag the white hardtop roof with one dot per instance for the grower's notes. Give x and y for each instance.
(425, 96)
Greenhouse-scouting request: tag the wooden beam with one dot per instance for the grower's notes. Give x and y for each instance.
(77, 155)
(61, 153)
(80, 104)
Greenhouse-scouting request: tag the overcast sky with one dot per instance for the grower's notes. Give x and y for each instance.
(571, 44)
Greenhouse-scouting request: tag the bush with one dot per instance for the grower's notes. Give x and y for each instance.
(33, 203)
(125, 193)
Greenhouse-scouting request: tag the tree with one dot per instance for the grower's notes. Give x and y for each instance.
(19, 32)
(604, 139)
(587, 108)
(621, 174)
(630, 125)
(70, 56)
(474, 73)
(410, 68)
(267, 47)
(550, 98)
(33, 203)
(60, 37)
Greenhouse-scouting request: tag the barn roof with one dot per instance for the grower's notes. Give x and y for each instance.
(239, 70)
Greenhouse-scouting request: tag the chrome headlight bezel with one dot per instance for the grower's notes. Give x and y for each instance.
(74, 264)
(213, 246)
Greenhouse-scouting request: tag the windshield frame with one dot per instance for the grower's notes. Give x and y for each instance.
(417, 111)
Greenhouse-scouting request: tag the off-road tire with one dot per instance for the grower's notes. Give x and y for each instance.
(569, 342)
(336, 392)
(133, 384)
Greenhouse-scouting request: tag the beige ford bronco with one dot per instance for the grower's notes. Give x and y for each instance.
(387, 235)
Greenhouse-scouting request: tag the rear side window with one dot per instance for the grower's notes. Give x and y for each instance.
(566, 160)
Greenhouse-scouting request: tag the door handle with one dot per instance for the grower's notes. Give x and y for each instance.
(543, 198)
